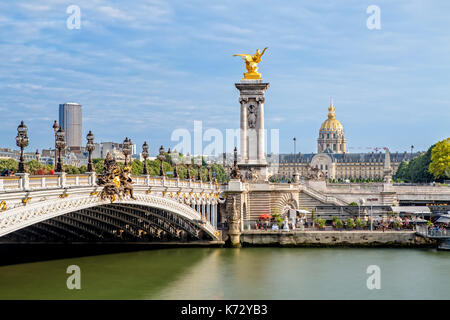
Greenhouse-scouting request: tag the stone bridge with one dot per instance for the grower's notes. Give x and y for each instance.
(65, 207)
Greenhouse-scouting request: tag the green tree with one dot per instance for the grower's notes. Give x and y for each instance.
(8, 164)
(440, 159)
(32, 166)
(98, 165)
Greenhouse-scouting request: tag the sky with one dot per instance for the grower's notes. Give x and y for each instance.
(142, 69)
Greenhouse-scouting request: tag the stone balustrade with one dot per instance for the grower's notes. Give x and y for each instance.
(25, 182)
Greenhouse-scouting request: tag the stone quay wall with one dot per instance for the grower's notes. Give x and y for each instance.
(335, 239)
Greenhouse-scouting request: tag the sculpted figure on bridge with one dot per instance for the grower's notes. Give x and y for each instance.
(116, 184)
(314, 173)
(126, 186)
(251, 64)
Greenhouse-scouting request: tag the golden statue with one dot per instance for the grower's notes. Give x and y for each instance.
(251, 64)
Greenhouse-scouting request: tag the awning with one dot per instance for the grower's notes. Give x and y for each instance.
(302, 211)
(411, 209)
(445, 218)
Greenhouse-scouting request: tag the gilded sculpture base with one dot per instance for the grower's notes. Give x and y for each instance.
(252, 76)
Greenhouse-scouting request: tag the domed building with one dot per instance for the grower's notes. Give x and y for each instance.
(333, 160)
(331, 134)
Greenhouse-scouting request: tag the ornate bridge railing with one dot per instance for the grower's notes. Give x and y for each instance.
(25, 182)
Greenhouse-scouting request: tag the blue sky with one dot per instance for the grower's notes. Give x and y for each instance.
(144, 68)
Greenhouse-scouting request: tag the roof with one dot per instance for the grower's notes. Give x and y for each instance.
(350, 157)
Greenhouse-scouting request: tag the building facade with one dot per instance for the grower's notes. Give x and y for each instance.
(333, 160)
(70, 120)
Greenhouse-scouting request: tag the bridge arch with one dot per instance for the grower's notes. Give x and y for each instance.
(146, 215)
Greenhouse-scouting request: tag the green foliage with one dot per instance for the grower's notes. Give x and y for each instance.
(440, 159)
(353, 204)
(320, 222)
(98, 165)
(8, 164)
(70, 169)
(397, 225)
(350, 223)
(416, 170)
(339, 223)
(278, 219)
(360, 223)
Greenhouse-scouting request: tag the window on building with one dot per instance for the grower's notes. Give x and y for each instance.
(334, 146)
(321, 167)
(328, 136)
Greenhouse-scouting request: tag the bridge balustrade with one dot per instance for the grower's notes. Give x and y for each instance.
(26, 182)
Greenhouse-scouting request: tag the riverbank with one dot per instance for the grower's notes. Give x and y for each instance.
(335, 239)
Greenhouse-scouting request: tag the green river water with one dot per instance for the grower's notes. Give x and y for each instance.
(247, 273)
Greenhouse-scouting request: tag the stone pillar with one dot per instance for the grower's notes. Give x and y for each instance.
(61, 179)
(234, 211)
(252, 134)
(24, 180)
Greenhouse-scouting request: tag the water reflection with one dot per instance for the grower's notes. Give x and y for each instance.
(249, 273)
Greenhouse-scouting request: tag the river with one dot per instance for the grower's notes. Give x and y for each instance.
(247, 273)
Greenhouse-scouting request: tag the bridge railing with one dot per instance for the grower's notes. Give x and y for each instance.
(25, 182)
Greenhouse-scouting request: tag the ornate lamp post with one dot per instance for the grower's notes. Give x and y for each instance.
(22, 142)
(198, 162)
(55, 129)
(126, 150)
(187, 162)
(161, 158)
(60, 143)
(208, 166)
(90, 147)
(175, 160)
(145, 155)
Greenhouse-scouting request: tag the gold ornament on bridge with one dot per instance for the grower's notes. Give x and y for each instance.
(116, 184)
(251, 64)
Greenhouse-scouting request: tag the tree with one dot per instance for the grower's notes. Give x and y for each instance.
(440, 159)
(32, 166)
(8, 164)
(98, 165)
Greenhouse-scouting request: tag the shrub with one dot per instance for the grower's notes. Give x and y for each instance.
(339, 223)
(353, 204)
(360, 223)
(350, 223)
(320, 222)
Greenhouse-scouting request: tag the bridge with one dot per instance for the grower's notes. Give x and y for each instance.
(64, 207)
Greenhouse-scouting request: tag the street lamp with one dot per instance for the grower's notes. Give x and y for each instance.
(175, 160)
(198, 163)
(55, 129)
(60, 143)
(187, 162)
(208, 166)
(145, 155)
(90, 147)
(22, 142)
(161, 158)
(412, 147)
(126, 149)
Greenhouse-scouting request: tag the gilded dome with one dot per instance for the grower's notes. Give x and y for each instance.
(331, 124)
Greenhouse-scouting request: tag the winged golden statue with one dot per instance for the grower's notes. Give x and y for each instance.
(251, 64)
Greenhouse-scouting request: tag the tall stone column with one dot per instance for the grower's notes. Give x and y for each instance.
(252, 134)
